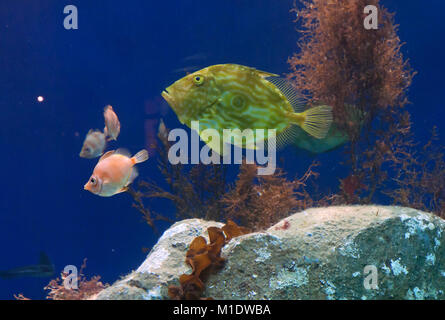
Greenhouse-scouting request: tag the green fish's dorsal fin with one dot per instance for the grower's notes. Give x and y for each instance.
(264, 74)
(285, 138)
(289, 92)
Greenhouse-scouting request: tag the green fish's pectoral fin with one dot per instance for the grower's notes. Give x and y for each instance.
(290, 93)
(316, 121)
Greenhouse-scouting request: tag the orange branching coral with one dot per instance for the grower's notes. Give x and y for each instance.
(258, 202)
(343, 64)
(86, 288)
(204, 259)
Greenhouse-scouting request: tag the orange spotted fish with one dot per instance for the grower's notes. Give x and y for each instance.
(94, 145)
(231, 96)
(112, 124)
(114, 172)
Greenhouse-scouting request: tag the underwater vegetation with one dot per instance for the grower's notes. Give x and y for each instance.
(201, 191)
(260, 201)
(420, 176)
(194, 190)
(343, 64)
(363, 75)
(86, 288)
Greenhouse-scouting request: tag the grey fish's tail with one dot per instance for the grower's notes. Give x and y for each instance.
(6, 275)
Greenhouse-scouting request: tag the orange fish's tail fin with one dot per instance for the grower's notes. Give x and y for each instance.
(139, 157)
(316, 121)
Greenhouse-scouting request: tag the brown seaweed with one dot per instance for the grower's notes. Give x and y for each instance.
(204, 259)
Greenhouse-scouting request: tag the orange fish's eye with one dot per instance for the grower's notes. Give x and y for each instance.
(93, 181)
(198, 79)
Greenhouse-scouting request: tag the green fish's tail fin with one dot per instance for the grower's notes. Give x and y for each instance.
(316, 121)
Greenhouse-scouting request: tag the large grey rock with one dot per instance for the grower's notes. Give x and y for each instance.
(320, 253)
(163, 265)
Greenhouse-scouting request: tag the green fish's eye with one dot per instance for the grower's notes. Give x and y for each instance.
(198, 79)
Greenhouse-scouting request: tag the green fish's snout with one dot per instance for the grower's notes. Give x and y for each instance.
(168, 97)
(174, 98)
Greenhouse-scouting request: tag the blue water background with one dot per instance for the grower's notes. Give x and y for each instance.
(125, 54)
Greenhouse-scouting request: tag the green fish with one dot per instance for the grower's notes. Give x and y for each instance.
(230, 96)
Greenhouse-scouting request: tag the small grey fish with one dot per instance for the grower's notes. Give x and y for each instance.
(94, 144)
(43, 269)
(112, 124)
